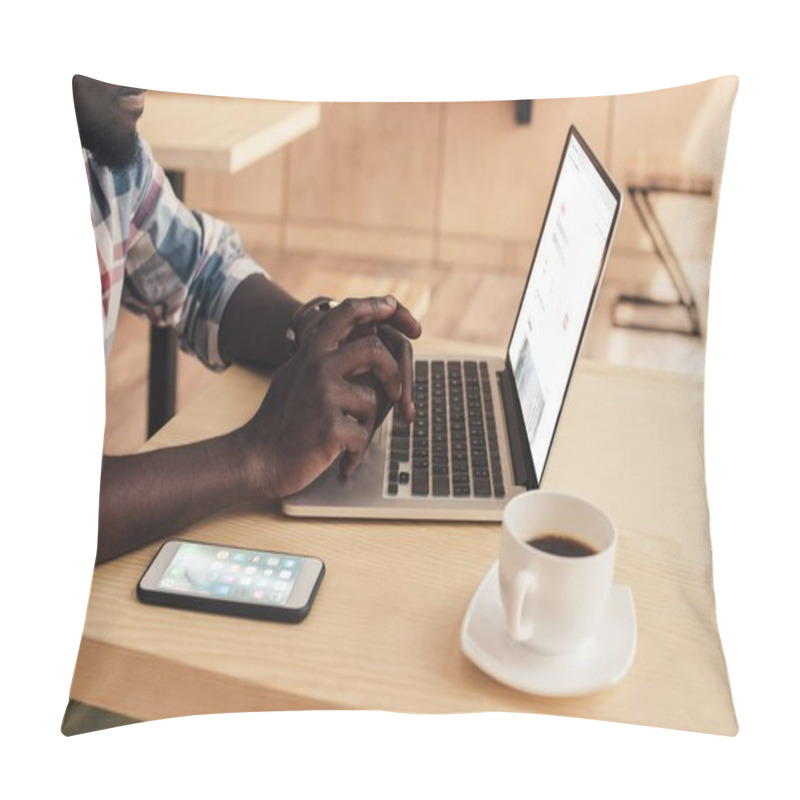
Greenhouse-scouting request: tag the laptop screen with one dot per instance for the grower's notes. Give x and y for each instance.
(561, 287)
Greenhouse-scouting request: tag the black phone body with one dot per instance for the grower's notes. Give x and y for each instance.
(257, 584)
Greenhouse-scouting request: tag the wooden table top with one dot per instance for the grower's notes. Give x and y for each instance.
(385, 630)
(219, 133)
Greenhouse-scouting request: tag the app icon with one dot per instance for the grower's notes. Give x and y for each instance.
(222, 589)
(245, 581)
(223, 554)
(273, 561)
(250, 570)
(286, 573)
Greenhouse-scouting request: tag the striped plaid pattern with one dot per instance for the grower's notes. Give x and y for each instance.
(160, 259)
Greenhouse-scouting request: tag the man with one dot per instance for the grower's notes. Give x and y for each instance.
(340, 366)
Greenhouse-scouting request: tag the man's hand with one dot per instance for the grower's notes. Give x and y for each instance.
(324, 402)
(394, 333)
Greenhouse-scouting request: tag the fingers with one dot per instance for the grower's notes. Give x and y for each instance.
(364, 362)
(401, 349)
(369, 354)
(359, 398)
(401, 321)
(349, 315)
(354, 318)
(359, 403)
(355, 440)
(404, 321)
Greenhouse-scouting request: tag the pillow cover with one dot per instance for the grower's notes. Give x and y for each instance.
(440, 204)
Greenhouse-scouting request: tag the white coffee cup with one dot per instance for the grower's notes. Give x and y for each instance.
(553, 602)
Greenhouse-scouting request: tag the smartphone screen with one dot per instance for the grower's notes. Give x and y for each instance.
(254, 583)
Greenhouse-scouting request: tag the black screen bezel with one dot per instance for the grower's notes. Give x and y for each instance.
(534, 480)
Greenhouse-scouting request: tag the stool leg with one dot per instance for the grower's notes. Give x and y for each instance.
(666, 255)
(163, 356)
(161, 389)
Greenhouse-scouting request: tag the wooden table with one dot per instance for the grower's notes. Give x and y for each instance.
(385, 630)
(189, 131)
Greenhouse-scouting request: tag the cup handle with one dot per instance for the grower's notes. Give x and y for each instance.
(523, 581)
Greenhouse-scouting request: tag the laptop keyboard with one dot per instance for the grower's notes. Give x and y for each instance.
(450, 450)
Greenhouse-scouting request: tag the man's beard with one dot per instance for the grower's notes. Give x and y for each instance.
(109, 148)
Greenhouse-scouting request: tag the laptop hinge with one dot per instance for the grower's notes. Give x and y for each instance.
(521, 460)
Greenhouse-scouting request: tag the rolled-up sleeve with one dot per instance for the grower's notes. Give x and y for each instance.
(182, 266)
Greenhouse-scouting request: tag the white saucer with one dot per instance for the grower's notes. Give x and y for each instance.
(599, 663)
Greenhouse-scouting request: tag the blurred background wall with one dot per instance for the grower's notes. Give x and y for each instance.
(464, 184)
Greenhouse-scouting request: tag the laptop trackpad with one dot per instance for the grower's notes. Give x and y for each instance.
(360, 488)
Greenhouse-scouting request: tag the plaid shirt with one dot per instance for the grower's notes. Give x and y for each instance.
(178, 267)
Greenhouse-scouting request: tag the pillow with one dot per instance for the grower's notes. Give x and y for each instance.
(439, 204)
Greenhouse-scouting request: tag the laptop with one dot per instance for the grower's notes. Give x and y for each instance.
(484, 428)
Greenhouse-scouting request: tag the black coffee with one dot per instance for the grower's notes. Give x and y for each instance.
(560, 545)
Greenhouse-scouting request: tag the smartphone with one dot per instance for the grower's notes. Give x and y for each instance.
(257, 584)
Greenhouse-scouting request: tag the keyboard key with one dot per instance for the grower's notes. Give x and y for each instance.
(399, 425)
(441, 486)
(419, 482)
(452, 442)
(482, 487)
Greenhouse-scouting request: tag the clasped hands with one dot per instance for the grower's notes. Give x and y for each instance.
(326, 401)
